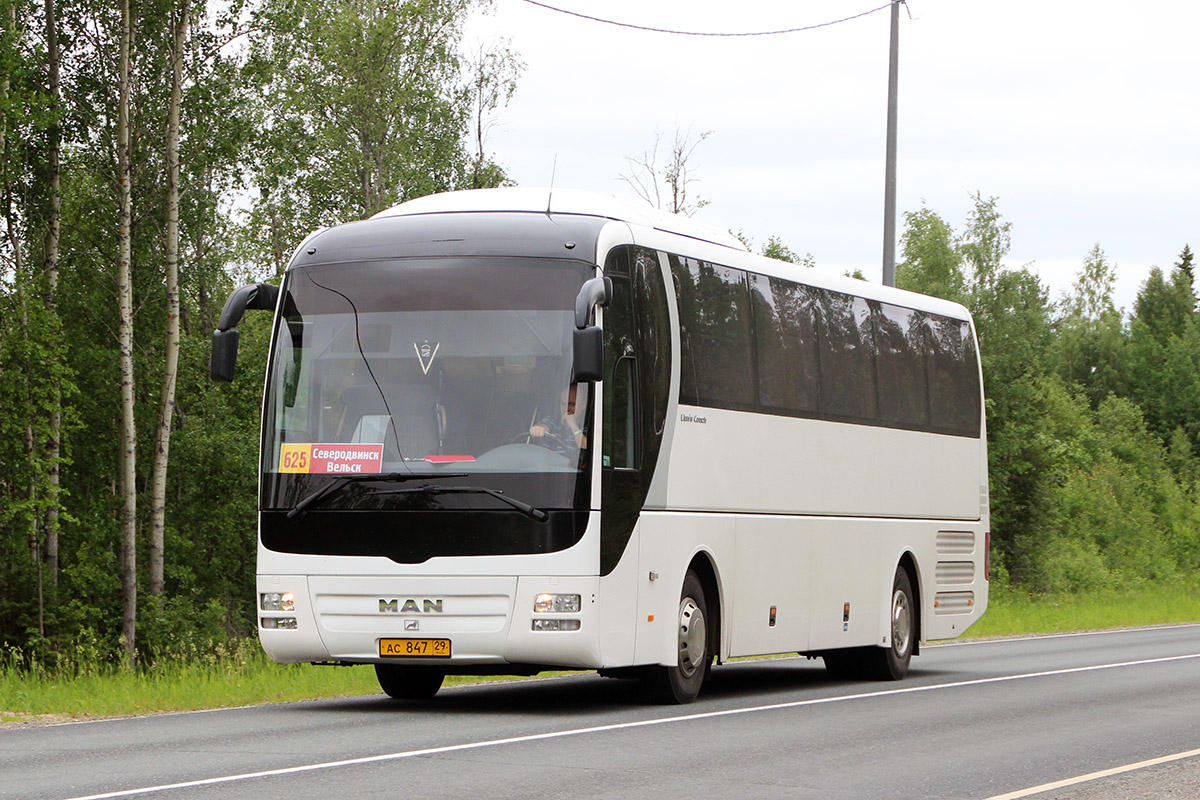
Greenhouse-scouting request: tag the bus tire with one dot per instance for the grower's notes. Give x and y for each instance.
(409, 681)
(891, 663)
(681, 683)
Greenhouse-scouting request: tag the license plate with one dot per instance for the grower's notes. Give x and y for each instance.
(414, 648)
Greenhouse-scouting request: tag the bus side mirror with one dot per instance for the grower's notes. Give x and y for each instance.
(223, 362)
(588, 365)
(224, 355)
(595, 292)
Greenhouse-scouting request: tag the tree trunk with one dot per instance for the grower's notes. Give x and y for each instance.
(158, 488)
(276, 245)
(128, 445)
(35, 539)
(50, 270)
(19, 278)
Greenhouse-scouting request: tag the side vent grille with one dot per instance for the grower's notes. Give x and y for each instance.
(953, 602)
(955, 572)
(956, 542)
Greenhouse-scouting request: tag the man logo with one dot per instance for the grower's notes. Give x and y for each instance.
(426, 352)
(410, 606)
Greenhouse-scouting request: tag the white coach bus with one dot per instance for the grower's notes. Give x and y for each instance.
(511, 430)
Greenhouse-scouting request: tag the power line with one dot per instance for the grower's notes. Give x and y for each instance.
(700, 33)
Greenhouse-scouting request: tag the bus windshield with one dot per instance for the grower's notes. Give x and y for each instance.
(447, 371)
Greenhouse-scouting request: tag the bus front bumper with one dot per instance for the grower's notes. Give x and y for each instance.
(478, 620)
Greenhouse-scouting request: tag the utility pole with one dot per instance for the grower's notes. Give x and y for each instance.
(889, 180)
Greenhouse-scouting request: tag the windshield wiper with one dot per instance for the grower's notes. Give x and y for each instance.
(342, 481)
(524, 508)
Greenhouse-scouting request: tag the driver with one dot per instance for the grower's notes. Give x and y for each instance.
(565, 427)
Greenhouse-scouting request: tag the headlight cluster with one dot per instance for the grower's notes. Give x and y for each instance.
(557, 604)
(277, 601)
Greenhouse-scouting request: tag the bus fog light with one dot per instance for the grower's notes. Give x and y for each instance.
(277, 601)
(556, 624)
(280, 623)
(556, 604)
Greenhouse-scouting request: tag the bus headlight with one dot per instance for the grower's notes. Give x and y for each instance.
(279, 623)
(556, 624)
(277, 601)
(556, 604)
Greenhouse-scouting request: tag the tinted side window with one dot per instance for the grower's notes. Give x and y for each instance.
(714, 323)
(953, 377)
(785, 325)
(900, 366)
(847, 359)
(654, 328)
(620, 398)
(750, 342)
(971, 403)
(620, 408)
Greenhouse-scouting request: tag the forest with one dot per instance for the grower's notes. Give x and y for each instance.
(154, 155)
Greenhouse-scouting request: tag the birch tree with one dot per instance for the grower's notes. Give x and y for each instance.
(30, 353)
(50, 273)
(667, 186)
(158, 488)
(127, 476)
(493, 74)
(363, 105)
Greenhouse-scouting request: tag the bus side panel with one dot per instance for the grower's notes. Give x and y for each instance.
(771, 608)
(855, 561)
(669, 542)
(618, 606)
(731, 461)
(849, 558)
(830, 581)
(954, 589)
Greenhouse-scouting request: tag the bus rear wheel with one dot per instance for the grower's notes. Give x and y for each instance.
(891, 663)
(409, 681)
(882, 663)
(681, 683)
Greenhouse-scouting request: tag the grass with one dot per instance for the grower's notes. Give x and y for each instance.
(1014, 613)
(241, 675)
(246, 678)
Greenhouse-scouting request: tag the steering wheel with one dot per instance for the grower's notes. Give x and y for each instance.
(550, 441)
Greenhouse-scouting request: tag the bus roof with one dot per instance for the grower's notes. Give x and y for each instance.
(582, 203)
(562, 201)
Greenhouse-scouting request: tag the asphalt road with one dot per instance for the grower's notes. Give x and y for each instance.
(972, 720)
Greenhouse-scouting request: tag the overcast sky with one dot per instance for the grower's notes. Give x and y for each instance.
(1083, 119)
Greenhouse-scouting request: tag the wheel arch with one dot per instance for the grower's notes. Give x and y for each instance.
(704, 566)
(909, 564)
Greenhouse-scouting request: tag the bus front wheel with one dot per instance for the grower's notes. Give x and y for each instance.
(409, 681)
(681, 683)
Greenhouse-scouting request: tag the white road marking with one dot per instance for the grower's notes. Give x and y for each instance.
(1033, 637)
(925, 646)
(1091, 776)
(455, 748)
